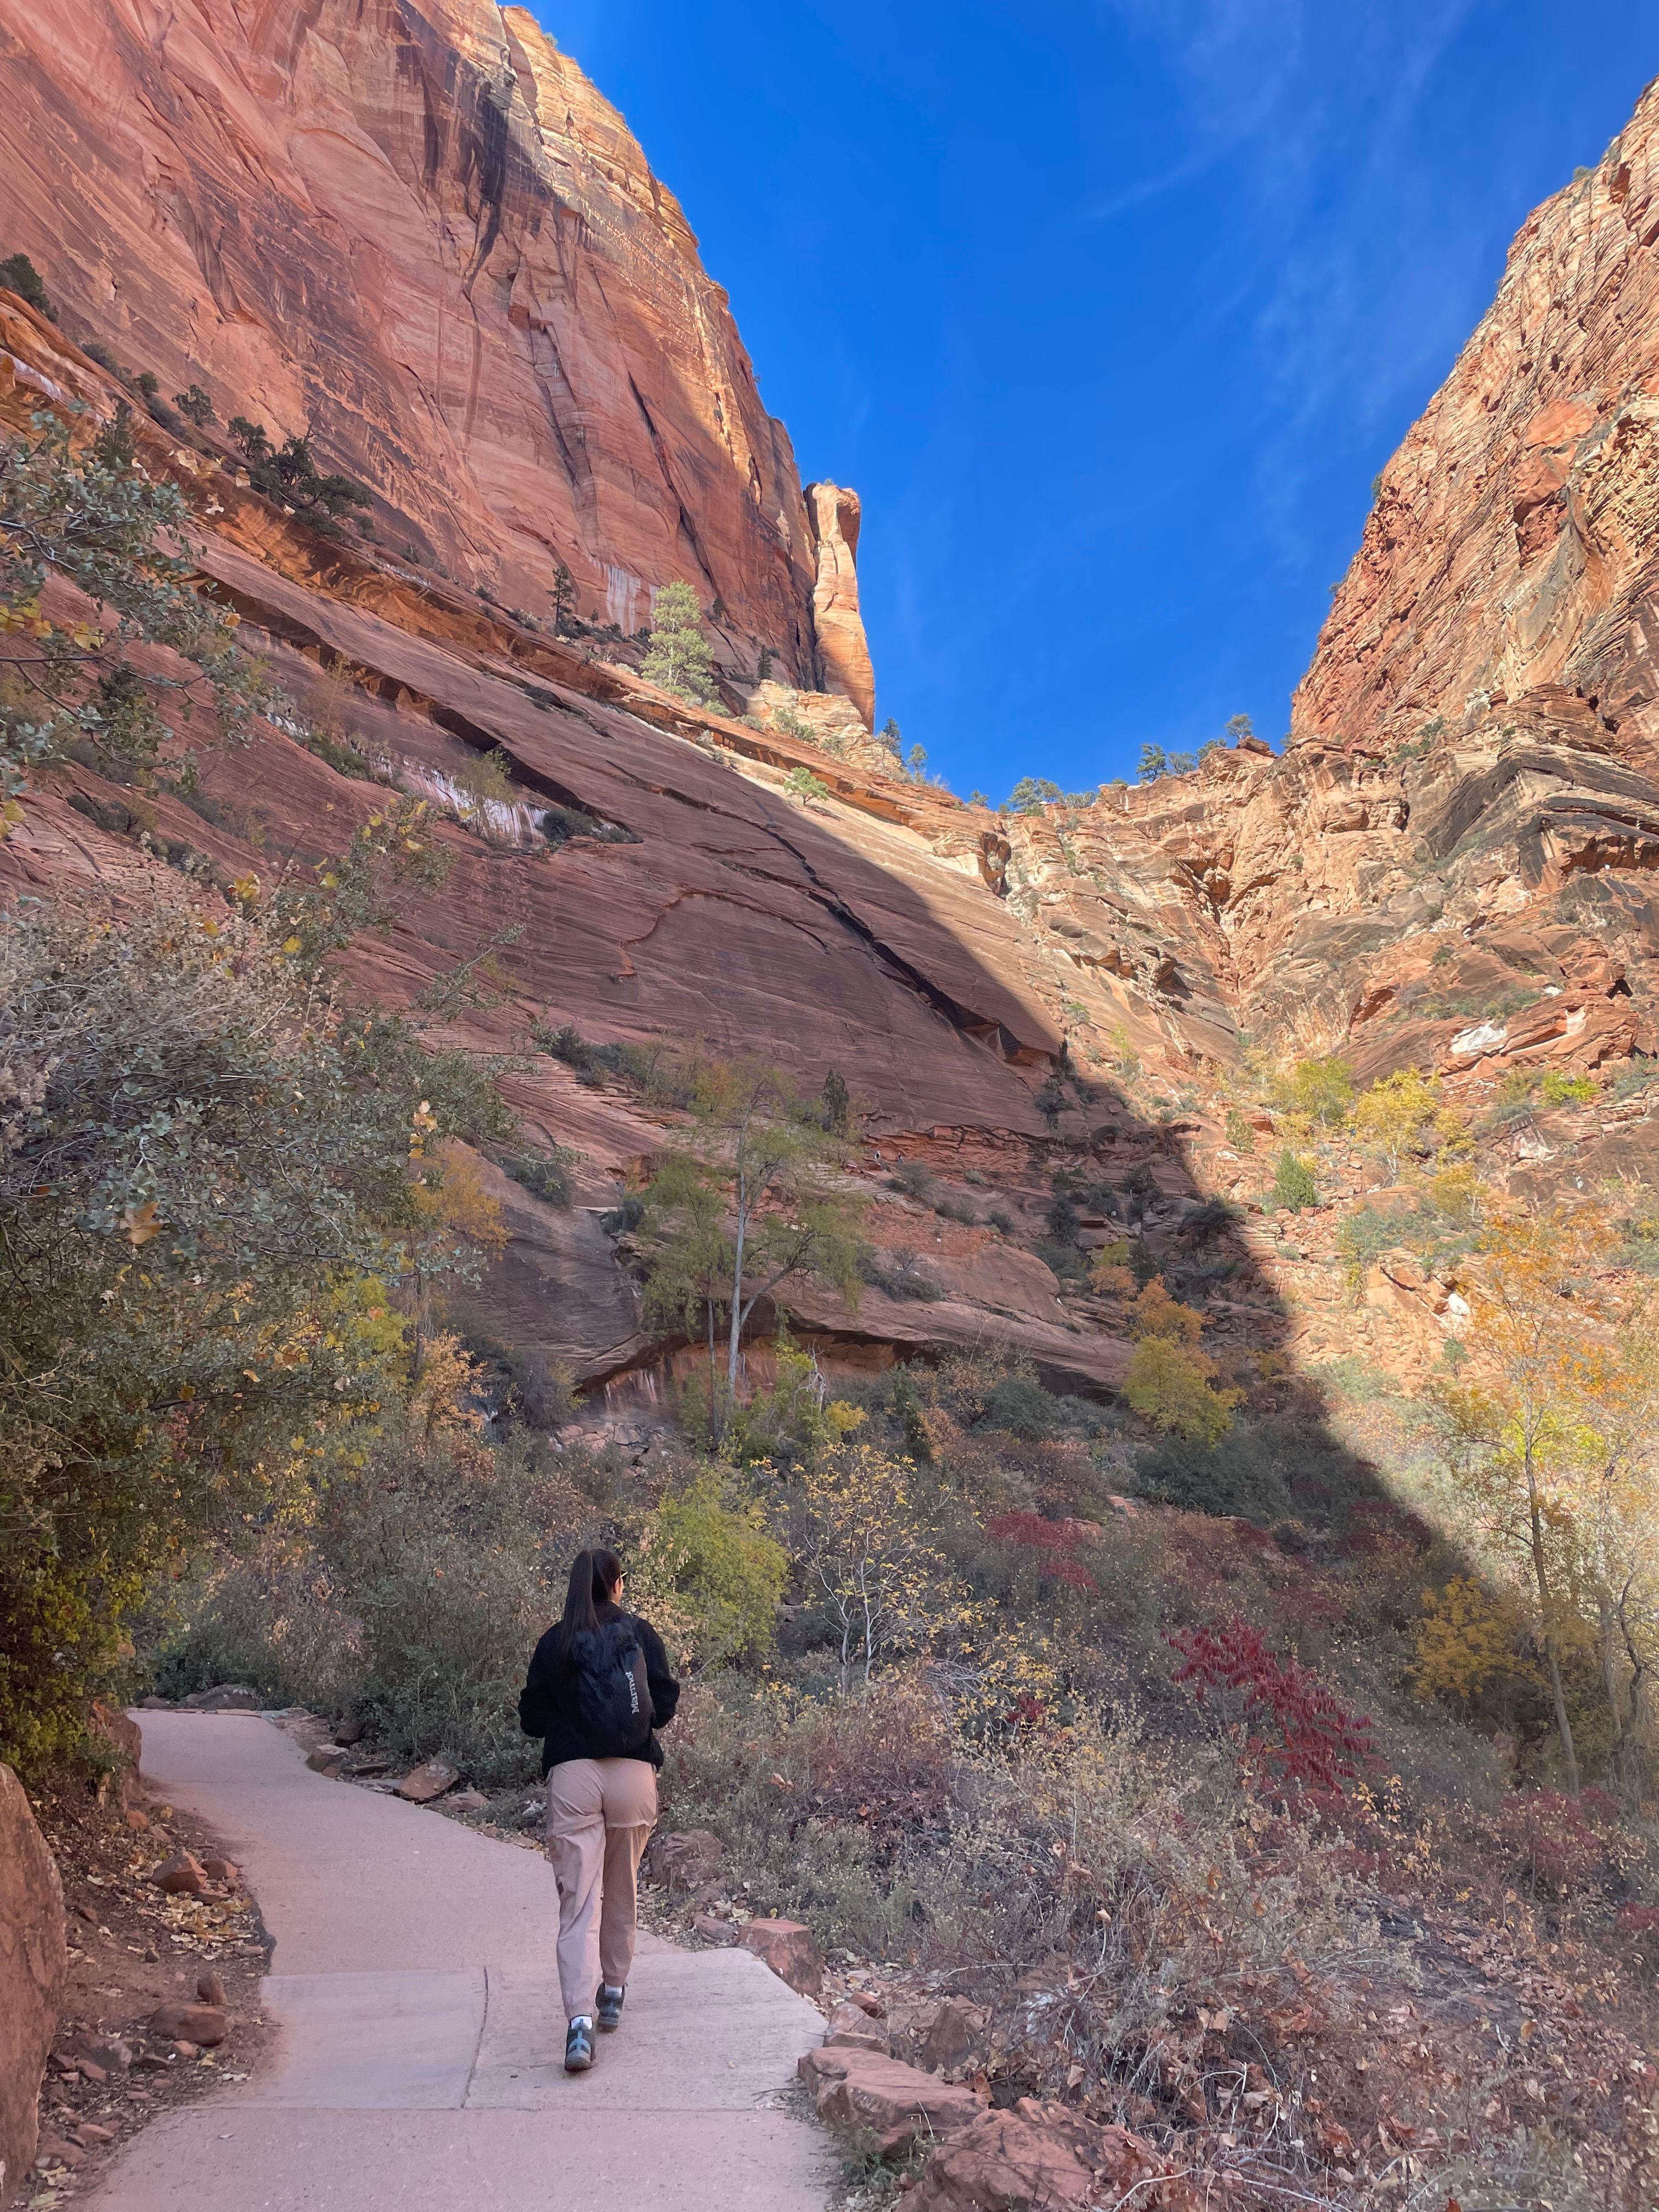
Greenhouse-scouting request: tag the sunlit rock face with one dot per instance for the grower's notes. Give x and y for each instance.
(423, 234)
(432, 242)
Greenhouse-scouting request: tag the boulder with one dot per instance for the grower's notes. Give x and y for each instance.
(466, 1800)
(325, 1760)
(955, 2035)
(789, 1949)
(204, 2025)
(1003, 2163)
(118, 1735)
(883, 2100)
(1038, 2157)
(426, 1783)
(851, 2027)
(181, 1875)
(685, 1860)
(34, 1962)
(105, 2053)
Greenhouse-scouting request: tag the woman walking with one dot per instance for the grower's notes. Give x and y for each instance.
(599, 1689)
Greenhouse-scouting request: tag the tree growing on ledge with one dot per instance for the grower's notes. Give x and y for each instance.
(749, 1204)
(677, 656)
(288, 475)
(564, 599)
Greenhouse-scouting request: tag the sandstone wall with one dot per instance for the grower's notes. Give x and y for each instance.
(421, 233)
(1512, 545)
(34, 1962)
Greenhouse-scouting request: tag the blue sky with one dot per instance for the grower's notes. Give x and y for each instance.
(1110, 310)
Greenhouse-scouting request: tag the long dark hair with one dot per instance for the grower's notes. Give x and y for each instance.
(594, 1576)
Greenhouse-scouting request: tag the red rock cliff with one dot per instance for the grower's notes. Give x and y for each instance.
(423, 233)
(1512, 545)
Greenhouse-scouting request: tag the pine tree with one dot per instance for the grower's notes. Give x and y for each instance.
(678, 657)
(564, 598)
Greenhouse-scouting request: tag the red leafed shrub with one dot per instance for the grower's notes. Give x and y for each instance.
(1056, 1539)
(1551, 1839)
(1305, 1736)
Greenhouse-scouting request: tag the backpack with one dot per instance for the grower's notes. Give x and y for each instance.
(613, 1698)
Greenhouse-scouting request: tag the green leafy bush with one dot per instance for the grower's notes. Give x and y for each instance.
(19, 274)
(1560, 1089)
(1293, 1184)
(288, 475)
(728, 1574)
(91, 518)
(678, 657)
(196, 1166)
(545, 1175)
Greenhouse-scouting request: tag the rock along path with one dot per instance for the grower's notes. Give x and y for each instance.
(419, 2058)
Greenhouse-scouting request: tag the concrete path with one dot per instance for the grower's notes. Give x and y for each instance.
(419, 2063)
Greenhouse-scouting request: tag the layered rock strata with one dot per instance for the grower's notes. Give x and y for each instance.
(421, 235)
(1448, 868)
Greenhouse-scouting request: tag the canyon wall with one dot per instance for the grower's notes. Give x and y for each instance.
(1512, 549)
(421, 233)
(1449, 868)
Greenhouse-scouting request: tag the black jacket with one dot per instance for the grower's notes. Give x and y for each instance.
(547, 1704)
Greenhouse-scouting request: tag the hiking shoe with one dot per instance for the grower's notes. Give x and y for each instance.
(579, 2046)
(610, 2008)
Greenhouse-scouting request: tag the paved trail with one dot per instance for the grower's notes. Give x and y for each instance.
(419, 2065)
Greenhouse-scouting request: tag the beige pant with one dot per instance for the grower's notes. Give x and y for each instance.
(600, 1812)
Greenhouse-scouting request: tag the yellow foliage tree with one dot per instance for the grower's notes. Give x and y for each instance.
(1155, 1313)
(871, 1559)
(1396, 1115)
(457, 1222)
(1170, 1382)
(1543, 1315)
(1617, 1402)
(1468, 1637)
(441, 1399)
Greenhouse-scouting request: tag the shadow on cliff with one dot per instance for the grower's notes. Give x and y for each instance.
(731, 914)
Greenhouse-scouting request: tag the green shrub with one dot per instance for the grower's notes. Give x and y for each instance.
(1293, 1184)
(1233, 1476)
(728, 1574)
(287, 474)
(19, 274)
(545, 1175)
(679, 658)
(914, 1178)
(1020, 1404)
(199, 1174)
(1512, 1099)
(1560, 1089)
